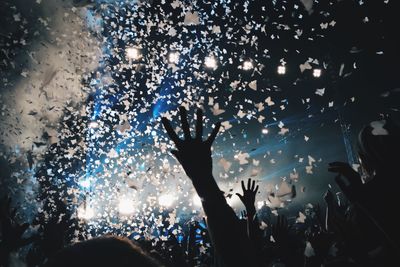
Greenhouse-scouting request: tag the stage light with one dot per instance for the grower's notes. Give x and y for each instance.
(264, 131)
(125, 206)
(260, 204)
(281, 70)
(166, 200)
(85, 183)
(173, 57)
(196, 200)
(93, 124)
(210, 62)
(133, 53)
(247, 65)
(85, 213)
(317, 73)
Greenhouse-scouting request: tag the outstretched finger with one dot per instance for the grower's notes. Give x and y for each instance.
(171, 133)
(249, 184)
(348, 172)
(253, 185)
(335, 168)
(256, 189)
(184, 122)
(339, 168)
(199, 125)
(214, 133)
(338, 164)
(243, 188)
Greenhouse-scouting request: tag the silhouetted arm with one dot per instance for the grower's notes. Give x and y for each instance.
(194, 154)
(248, 199)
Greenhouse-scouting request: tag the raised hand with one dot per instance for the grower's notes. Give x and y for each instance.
(249, 195)
(194, 154)
(344, 169)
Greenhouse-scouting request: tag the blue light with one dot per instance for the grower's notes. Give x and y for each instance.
(85, 183)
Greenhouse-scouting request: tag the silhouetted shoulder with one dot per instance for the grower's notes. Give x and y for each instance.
(103, 251)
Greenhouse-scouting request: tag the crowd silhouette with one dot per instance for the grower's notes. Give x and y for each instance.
(361, 231)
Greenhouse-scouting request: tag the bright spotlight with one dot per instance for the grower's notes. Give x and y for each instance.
(93, 124)
(211, 62)
(133, 53)
(196, 200)
(281, 70)
(260, 204)
(166, 200)
(173, 57)
(264, 131)
(248, 65)
(85, 183)
(317, 73)
(125, 206)
(85, 213)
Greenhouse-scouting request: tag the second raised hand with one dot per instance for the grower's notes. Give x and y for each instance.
(249, 194)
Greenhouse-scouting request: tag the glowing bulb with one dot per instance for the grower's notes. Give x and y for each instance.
(260, 204)
(264, 131)
(173, 57)
(93, 124)
(85, 183)
(85, 213)
(125, 206)
(133, 53)
(196, 200)
(210, 62)
(166, 200)
(247, 65)
(317, 73)
(281, 70)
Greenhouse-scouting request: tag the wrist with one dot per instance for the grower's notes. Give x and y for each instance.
(251, 215)
(251, 210)
(205, 186)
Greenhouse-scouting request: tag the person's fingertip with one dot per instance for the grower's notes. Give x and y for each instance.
(182, 109)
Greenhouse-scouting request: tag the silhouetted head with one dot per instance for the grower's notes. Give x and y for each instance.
(379, 147)
(103, 251)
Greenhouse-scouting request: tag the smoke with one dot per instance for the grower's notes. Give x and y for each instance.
(47, 70)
